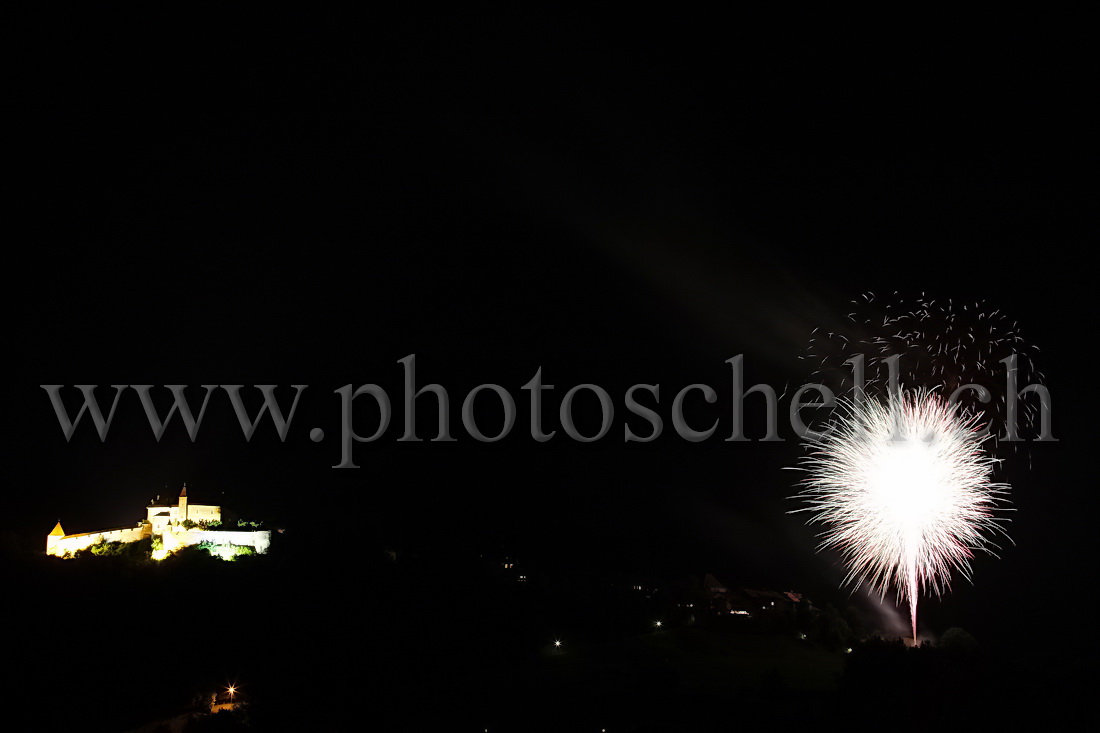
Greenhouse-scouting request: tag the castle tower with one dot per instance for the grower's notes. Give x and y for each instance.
(53, 537)
(182, 515)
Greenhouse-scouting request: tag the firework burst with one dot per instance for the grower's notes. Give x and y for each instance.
(905, 490)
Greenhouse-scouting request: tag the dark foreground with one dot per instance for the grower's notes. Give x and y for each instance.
(117, 643)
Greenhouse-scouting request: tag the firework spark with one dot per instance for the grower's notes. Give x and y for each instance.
(943, 344)
(905, 490)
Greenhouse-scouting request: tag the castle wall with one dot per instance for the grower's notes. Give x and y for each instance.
(75, 542)
(204, 512)
(259, 540)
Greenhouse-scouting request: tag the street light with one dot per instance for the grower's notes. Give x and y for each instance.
(658, 624)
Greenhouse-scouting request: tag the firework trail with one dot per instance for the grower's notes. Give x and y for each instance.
(904, 488)
(939, 344)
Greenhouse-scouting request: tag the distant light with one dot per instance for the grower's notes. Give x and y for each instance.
(658, 624)
(232, 690)
(557, 642)
(848, 650)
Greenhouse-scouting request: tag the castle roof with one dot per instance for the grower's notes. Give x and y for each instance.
(57, 531)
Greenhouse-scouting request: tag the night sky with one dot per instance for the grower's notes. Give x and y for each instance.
(299, 209)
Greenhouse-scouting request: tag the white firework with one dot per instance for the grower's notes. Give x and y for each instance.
(905, 489)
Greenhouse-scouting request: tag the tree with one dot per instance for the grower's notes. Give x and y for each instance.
(958, 641)
(834, 630)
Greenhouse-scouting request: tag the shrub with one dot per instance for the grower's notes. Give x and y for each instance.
(226, 552)
(134, 550)
(105, 548)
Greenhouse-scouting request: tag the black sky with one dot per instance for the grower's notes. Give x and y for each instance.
(276, 208)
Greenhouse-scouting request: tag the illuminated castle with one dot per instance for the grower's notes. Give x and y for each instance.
(171, 526)
(162, 515)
